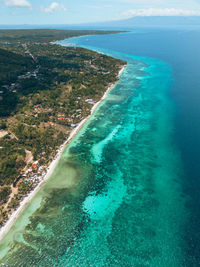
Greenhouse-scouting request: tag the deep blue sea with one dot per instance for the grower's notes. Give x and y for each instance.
(126, 191)
(179, 48)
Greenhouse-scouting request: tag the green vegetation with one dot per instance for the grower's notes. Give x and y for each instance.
(4, 193)
(43, 35)
(12, 65)
(45, 90)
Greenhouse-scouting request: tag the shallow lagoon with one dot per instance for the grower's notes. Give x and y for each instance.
(116, 197)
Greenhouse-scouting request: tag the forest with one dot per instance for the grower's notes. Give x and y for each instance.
(45, 90)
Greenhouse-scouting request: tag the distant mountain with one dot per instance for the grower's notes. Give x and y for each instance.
(151, 21)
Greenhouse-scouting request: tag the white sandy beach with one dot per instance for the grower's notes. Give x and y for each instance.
(51, 167)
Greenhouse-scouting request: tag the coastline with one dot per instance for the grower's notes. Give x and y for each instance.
(14, 216)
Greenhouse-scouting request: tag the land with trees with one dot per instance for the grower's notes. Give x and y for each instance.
(45, 91)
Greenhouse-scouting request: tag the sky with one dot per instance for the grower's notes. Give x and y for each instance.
(81, 11)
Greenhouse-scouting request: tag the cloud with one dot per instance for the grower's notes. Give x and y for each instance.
(191, 5)
(17, 3)
(159, 12)
(54, 7)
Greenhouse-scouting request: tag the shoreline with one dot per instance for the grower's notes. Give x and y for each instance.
(14, 216)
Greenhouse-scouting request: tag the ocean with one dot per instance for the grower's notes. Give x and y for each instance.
(126, 190)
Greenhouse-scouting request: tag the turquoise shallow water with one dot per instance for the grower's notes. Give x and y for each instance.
(115, 198)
